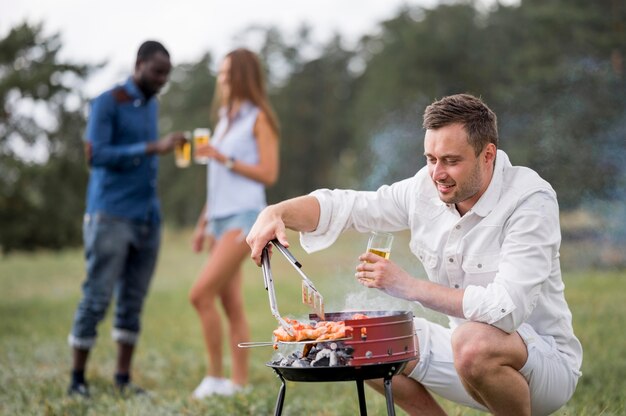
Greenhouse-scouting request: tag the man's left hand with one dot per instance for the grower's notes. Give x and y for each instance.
(166, 144)
(377, 272)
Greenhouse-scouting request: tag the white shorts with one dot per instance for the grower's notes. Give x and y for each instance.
(552, 382)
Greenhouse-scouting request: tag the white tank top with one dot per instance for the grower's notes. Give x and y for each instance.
(228, 192)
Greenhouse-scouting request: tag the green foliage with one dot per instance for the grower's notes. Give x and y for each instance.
(350, 117)
(39, 203)
(551, 71)
(314, 111)
(563, 99)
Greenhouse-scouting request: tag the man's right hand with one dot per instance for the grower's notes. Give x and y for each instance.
(269, 225)
(297, 214)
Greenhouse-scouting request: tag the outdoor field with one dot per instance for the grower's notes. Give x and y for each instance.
(39, 292)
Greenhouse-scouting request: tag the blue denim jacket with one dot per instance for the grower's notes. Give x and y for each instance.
(123, 178)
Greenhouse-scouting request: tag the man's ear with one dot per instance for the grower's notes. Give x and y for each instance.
(490, 153)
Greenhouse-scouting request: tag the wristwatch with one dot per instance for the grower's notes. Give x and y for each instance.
(230, 162)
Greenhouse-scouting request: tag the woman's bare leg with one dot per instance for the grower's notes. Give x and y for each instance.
(218, 278)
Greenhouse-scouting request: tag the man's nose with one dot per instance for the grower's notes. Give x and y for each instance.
(439, 172)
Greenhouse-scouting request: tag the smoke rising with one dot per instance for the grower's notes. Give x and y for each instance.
(396, 149)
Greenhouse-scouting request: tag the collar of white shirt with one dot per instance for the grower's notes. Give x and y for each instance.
(491, 196)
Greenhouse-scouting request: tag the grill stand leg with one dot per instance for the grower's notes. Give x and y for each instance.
(281, 396)
(391, 411)
(361, 392)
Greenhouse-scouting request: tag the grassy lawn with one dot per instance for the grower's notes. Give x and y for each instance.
(38, 294)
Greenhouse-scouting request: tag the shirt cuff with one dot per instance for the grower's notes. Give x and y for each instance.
(138, 148)
(335, 207)
(489, 305)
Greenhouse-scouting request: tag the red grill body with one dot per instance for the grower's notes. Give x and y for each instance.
(382, 344)
(384, 336)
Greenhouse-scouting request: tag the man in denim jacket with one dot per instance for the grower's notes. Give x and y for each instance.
(121, 228)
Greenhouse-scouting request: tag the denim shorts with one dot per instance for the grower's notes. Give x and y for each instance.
(241, 221)
(120, 260)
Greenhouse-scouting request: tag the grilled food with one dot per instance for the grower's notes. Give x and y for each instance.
(321, 331)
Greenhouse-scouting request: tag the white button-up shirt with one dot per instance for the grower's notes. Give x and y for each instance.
(504, 252)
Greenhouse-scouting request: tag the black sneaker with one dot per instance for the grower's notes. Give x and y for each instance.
(78, 390)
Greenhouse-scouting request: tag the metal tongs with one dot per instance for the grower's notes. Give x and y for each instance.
(310, 295)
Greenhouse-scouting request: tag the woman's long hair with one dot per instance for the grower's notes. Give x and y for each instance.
(246, 83)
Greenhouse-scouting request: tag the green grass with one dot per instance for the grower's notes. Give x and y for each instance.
(38, 294)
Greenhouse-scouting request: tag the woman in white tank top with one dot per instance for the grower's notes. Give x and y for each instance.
(244, 159)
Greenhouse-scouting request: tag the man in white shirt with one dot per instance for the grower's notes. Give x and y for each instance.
(488, 236)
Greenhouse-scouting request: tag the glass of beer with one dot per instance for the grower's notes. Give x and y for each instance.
(182, 152)
(201, 137)
(379, 243)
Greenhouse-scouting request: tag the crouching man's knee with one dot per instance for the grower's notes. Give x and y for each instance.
(473, 349)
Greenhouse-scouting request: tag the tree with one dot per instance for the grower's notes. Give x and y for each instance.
(41, 198)
(552, 71)
(565, 94)
(314, 107)
(419, 56)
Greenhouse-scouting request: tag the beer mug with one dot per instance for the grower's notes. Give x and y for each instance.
(182, 152)
(201, 137)
(379, 243)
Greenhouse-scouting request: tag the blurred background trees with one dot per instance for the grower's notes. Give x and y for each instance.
(42, 171)
(350, 117)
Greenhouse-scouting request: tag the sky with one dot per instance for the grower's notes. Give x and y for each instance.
(111, 31)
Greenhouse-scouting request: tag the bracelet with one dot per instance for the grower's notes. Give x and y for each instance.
(230, 163)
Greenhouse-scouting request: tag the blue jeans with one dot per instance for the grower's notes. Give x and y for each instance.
(120, 258)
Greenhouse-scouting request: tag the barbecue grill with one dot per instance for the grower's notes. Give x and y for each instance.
(379, 346)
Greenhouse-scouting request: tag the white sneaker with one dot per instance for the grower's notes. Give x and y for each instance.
(226, 387)
(216, 386)
(208, 387)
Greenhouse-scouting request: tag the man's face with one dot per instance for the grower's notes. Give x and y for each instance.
(460, 177)
(152, 74)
